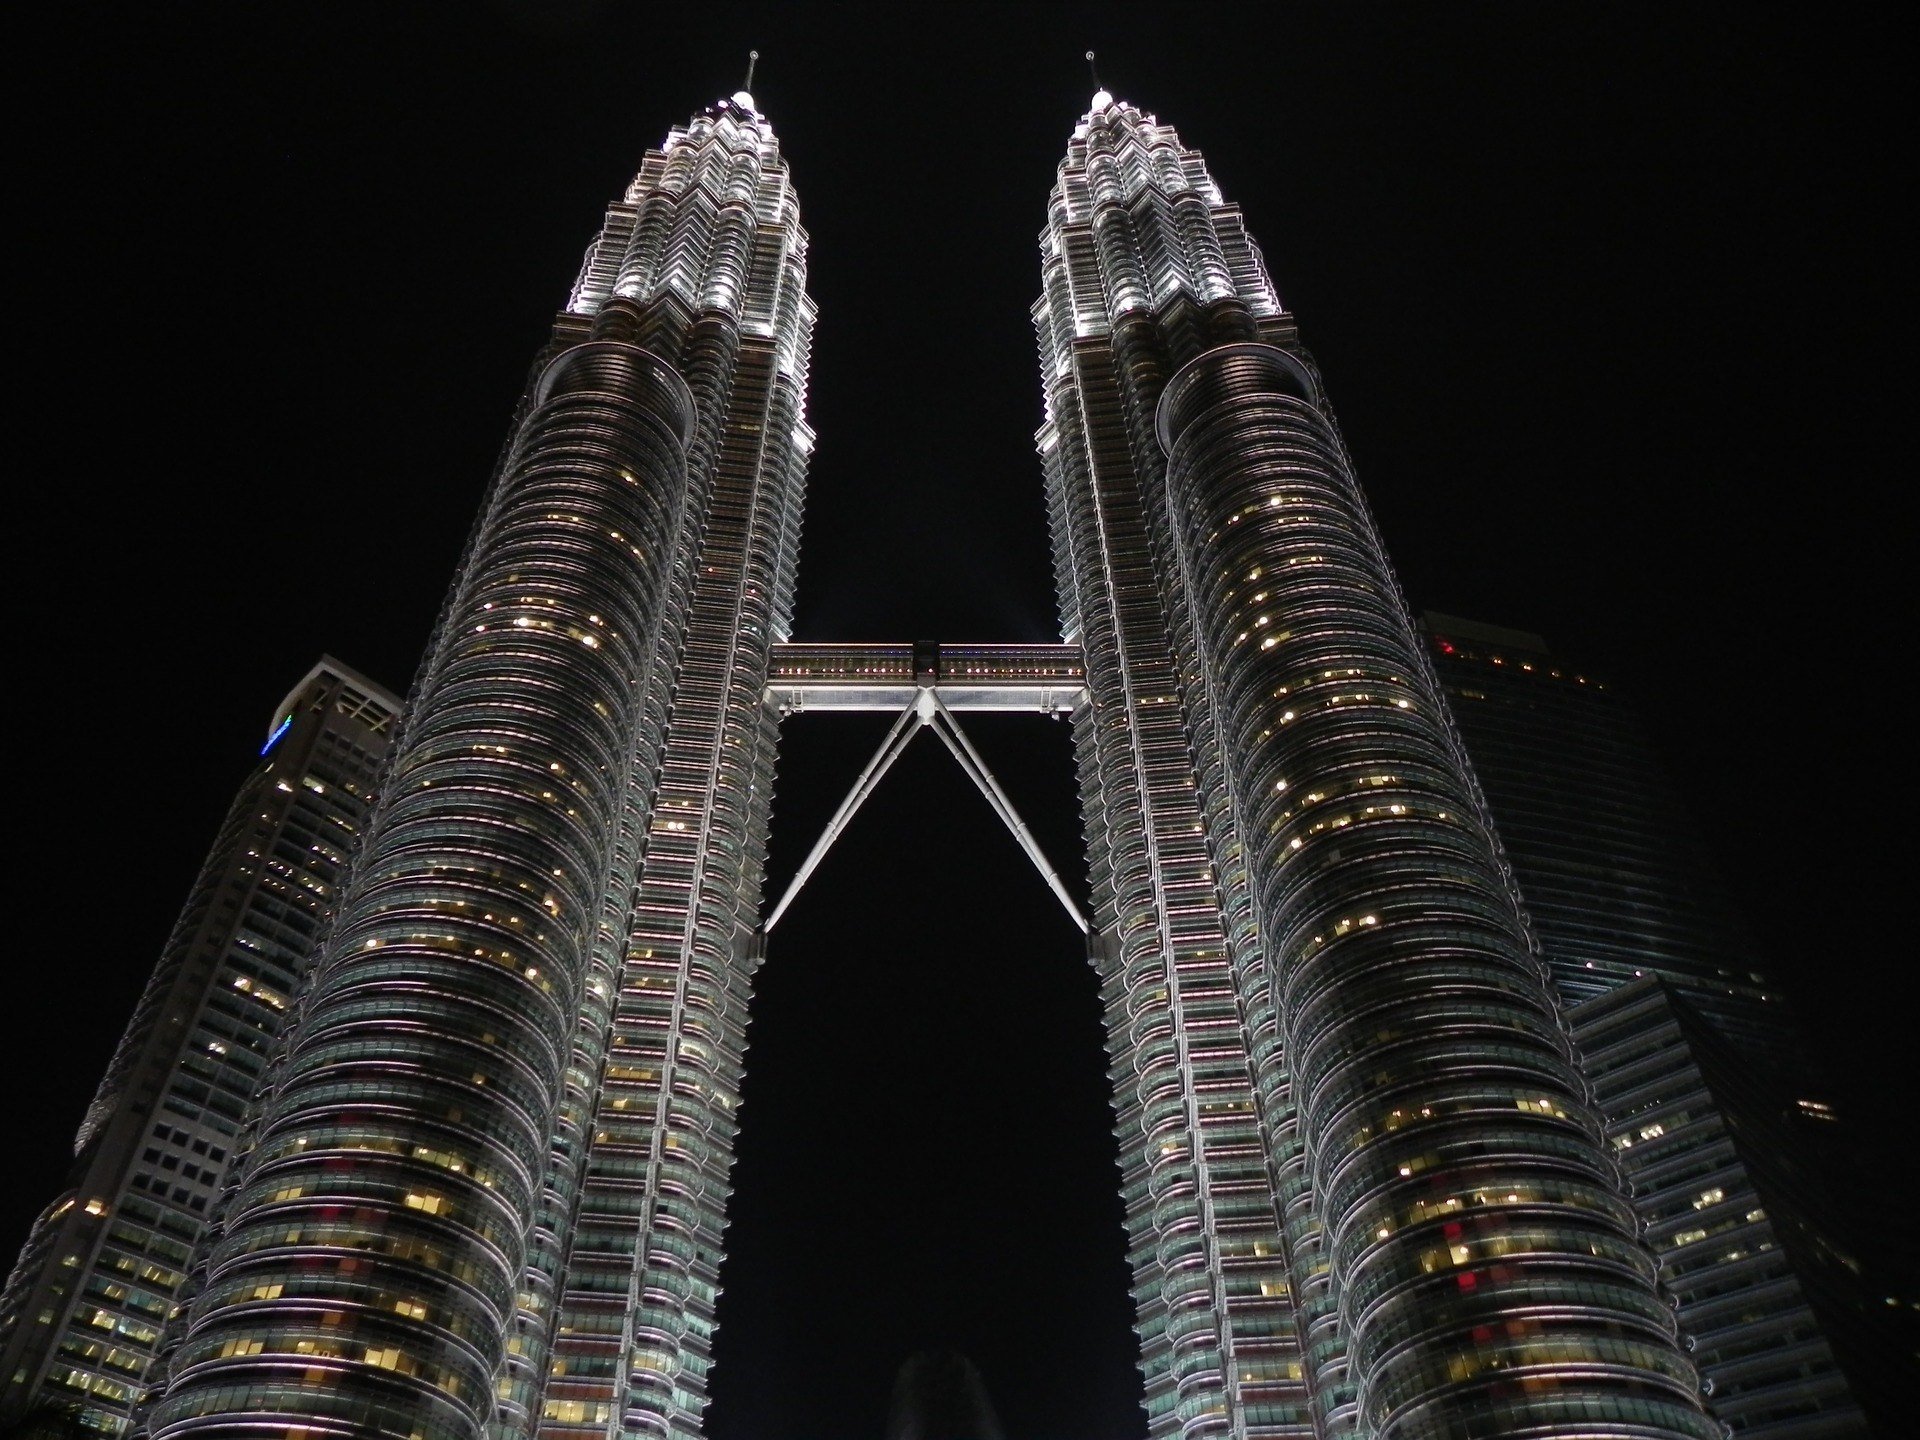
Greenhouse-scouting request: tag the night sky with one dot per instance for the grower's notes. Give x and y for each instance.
(1604, 297)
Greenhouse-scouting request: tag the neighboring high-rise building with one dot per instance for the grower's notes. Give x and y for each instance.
(1323, 1002)
(84, 1309)
(1735, 1213)
(486, 1188)
(1616, 881)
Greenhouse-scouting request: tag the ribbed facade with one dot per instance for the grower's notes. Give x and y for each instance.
(1193, 1046)
(1301, 899)
(495, 1147)
(83, 1314)
(635, 1304)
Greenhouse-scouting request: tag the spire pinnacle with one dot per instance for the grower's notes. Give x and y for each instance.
(1101, 97)
(743, 97)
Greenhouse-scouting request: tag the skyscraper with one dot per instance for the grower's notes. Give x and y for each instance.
(84, 1309)
(1734, 1211)
(1616, 882)
(1299, 896)
(496, 1145)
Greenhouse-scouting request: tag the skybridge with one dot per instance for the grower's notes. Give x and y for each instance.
(926, 686)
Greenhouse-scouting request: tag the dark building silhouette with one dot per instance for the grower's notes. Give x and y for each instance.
(939, 1395)
(1616, 881)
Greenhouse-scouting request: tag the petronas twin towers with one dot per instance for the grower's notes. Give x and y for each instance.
(483, 1190)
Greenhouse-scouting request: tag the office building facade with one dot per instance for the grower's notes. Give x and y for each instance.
(1616, 882)
(83, 1313)
(1734, 1210)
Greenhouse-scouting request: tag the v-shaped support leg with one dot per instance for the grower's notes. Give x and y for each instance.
(927, 712)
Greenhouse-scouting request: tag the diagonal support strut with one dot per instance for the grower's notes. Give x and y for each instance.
(898, 738)
(962, 750)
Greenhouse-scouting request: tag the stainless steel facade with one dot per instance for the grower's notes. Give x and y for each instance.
(1303, 902)
(484, 1190)
(84, 1311)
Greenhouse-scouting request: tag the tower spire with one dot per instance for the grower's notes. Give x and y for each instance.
(1102, 97)
(743, 97)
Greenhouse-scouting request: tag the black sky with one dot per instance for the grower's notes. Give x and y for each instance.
(1605, 297)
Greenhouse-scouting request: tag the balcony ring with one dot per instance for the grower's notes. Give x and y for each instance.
(1225, 372)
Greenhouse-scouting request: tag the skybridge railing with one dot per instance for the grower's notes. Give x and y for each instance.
(1048, 679)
